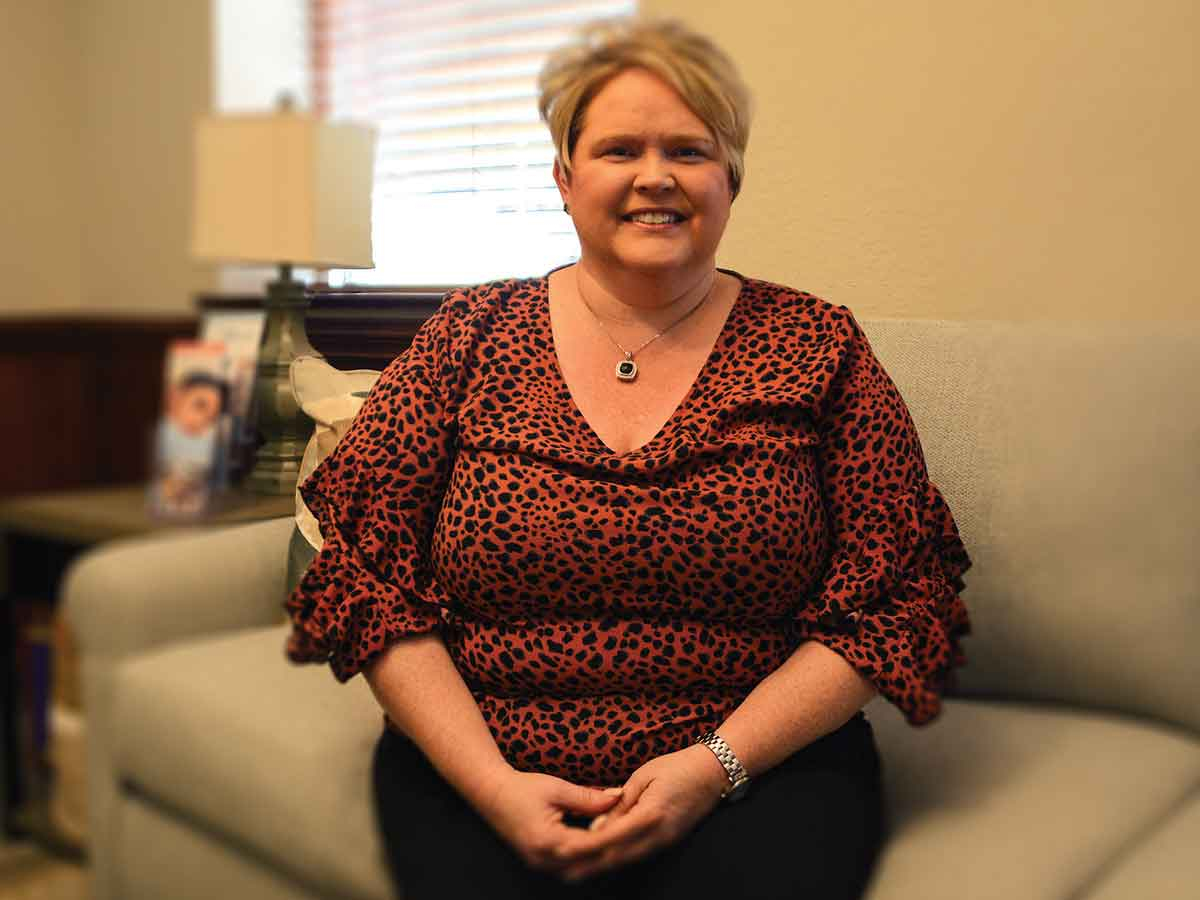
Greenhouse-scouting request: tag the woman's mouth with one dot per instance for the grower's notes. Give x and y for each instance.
(656, 219)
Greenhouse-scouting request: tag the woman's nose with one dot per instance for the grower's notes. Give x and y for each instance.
(654, 174)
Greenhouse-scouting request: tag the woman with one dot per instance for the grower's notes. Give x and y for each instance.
(606, 542)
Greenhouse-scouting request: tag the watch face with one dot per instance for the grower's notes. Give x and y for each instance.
(737, 793)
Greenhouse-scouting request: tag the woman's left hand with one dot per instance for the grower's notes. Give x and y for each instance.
(663, 801)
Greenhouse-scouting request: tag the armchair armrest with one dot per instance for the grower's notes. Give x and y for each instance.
(129, 596)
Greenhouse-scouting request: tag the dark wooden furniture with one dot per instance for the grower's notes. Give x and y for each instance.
(81, 394)
(367, 329)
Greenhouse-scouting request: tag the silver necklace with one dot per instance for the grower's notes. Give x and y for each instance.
(627, 369)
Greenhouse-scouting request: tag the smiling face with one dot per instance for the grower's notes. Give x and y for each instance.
(648, 189)
(195, 409)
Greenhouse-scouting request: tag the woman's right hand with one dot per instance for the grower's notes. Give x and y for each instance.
(526, 809)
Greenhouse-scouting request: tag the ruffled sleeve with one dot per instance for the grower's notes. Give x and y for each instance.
(376, 498)
(889, 600)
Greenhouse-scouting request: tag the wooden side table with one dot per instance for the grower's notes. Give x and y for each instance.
(40, 534)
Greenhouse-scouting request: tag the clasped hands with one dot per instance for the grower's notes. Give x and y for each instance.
(660, 803)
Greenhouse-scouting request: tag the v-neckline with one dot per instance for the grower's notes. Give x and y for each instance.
(724, 337)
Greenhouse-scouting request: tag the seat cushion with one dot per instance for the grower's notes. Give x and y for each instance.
(277, 757)
(1008, 800)
(189, 863)
(991, 800)
(1162, 866)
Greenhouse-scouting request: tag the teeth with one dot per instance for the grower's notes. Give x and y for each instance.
(655, 218)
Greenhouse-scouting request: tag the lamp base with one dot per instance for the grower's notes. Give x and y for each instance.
(274, 474)
(284, 426)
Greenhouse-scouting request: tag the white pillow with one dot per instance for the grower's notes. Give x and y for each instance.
(332, 397)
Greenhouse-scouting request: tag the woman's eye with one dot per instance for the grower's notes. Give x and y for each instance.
(690, 152)
(618, 151)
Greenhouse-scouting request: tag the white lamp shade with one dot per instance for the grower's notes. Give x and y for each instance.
(283, 188)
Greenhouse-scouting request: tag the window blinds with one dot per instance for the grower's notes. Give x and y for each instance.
(463, 186)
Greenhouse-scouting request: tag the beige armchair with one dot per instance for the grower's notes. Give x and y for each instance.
(1067, 766)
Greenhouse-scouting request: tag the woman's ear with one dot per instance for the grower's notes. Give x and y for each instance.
(563, 180)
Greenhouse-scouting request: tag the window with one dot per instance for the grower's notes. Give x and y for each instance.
(463, 185)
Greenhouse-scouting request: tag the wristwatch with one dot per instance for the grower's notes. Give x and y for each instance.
(739, 781)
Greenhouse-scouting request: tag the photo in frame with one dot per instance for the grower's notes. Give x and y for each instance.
(194, 431)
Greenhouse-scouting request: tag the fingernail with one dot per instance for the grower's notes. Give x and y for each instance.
(618, 791)
(597, 822)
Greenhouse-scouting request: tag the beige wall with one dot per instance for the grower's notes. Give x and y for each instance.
(39, 157)
(98, 98)
(147, 74)
(969, 158)
(973, 159)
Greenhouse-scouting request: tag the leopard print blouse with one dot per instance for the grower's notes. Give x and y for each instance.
(607, 608)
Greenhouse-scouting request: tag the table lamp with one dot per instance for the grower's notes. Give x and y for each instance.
(287, 189)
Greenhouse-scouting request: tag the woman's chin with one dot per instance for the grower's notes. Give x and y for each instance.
(659, 263)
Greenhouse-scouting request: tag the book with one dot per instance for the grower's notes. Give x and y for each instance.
(241, 331)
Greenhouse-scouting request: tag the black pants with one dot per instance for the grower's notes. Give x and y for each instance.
(809, 828)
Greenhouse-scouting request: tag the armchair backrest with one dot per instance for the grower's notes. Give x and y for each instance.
(1068, 453)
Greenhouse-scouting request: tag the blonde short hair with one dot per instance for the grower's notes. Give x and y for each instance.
(704, 76)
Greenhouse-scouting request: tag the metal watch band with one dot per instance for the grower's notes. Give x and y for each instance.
(736, 772)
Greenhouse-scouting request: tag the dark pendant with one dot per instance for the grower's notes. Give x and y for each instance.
(627, 370)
